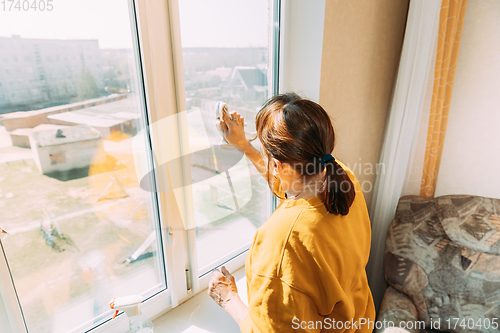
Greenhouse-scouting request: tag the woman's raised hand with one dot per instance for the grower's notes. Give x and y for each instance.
(232, 126)
(233, 131)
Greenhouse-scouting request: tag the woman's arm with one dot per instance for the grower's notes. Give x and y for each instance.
(256, 157)
(237, 309)
(234, 134)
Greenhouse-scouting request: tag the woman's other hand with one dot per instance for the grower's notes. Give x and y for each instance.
(232, 126)
(222, 288)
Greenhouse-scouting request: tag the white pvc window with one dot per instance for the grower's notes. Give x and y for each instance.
(227, 56)
(107, 184)
(81, 230)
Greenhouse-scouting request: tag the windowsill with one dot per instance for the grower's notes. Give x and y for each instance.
(201, 314)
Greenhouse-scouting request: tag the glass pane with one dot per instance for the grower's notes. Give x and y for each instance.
(226, 58)
(82, 231)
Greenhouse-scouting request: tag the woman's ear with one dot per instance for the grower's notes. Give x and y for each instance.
(277, 165)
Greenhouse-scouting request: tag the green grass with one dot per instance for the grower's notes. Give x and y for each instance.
(33, 191)
(45, 277)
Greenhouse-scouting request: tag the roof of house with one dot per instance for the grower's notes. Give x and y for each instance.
(67, 135)
(39, 128)
(252, 76)
(104, 115)
(65, 107)
(222, 72)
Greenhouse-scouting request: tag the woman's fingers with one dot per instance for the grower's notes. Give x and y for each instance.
(223, 126)
(227, 118)
(216, 278)
(226, 272)
(210, 287)
(222, 275)
(237, 118)
(234, 116)
(217, 273)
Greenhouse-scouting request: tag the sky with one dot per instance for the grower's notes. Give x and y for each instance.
(224, 23)
(204, 23)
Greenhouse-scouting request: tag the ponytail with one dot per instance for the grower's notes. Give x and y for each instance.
(338, 193)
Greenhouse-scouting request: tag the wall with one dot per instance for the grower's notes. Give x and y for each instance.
(301, 47)
(361, 49)
(470, 160)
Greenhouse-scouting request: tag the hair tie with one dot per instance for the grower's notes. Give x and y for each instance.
(326, 158)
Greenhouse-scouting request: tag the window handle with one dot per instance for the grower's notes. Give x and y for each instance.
(170, 236)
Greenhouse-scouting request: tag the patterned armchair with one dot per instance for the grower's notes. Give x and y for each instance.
(442, 263)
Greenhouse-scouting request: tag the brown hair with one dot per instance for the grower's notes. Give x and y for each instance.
(299, 132)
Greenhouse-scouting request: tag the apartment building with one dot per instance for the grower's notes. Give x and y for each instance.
(36, 73)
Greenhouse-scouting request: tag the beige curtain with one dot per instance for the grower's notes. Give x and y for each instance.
(450, 30)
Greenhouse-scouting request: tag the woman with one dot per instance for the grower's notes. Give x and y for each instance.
(306, 267)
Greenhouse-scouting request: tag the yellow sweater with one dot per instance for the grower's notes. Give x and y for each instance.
(306, 269)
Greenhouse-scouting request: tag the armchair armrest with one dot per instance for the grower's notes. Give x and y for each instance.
(399, 309)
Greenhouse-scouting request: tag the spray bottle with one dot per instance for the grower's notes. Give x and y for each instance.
(138, 322)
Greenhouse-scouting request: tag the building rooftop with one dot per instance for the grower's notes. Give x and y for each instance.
(104, 115)
(39, 128)
(66, 135)
(64, 107)
(252, 76)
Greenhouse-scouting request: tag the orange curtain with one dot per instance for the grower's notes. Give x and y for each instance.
(451, 21)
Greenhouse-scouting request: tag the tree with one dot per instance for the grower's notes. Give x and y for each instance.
(87, 88)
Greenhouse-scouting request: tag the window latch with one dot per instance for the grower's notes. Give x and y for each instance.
(189, 284)
(170, 236)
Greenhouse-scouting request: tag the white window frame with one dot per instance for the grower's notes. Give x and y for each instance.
(157, 43)
(236, 258)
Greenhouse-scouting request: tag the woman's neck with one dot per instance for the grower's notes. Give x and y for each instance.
(302, 195)
(307, 190)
